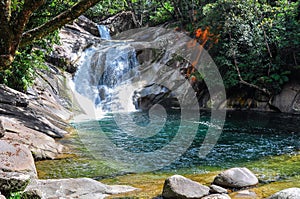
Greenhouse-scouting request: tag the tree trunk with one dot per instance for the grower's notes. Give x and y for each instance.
(57, 22)
(13, 25)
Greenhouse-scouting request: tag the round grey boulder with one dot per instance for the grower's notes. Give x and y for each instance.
(236, 178)
(291, 193)
(180, 187)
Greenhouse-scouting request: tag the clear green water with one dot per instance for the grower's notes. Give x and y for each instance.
(267, 143)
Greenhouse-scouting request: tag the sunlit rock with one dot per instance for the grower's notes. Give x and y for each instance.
(236, 178)
(180, 187)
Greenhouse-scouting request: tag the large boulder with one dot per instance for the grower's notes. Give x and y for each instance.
(183, 188)
(83, 188)
(291, 193)
(288, 100)
(16, 158)
(236, 178)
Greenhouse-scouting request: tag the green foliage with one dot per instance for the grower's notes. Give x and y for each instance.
(16, 195)
(260, 39)
(22, 72)
(106, 8)
(162, 13)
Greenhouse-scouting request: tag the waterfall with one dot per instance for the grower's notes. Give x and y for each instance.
(104, 72)
(104, 32)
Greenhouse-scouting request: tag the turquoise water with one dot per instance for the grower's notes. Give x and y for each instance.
(246, 137)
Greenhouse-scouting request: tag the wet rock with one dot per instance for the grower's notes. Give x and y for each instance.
(291, 193)
(217, 196)
(13, 181)
(236, 178)
(76, 188)
(183, 188)
(150, 95)
(217, 189)
(16, 158)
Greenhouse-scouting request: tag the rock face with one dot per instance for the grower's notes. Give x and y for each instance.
(16, 158)
(83, 188)
(40, 145)
(291, 193)
(119, 23)
(183, 188)
(74, 40)
(289, 98)
(217, 196)
(236, 178)
(146, 97)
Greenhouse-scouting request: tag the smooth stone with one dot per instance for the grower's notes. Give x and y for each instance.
(2, 197)
(291, 193)
(217, 189)
(13, 181)
(180, 187)
(217, 196)
(236, 178)
(84, 188)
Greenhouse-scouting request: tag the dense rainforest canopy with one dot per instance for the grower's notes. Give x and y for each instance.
(255, 43)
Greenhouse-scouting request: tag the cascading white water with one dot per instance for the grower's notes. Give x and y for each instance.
(104, 32)
(104, 70)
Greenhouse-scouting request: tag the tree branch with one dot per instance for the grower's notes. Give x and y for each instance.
(57, 22)
(242, 81)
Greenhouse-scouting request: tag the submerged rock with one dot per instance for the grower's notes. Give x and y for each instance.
(236, 178)
(291, 193)
(75, 188)
(180, 187)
